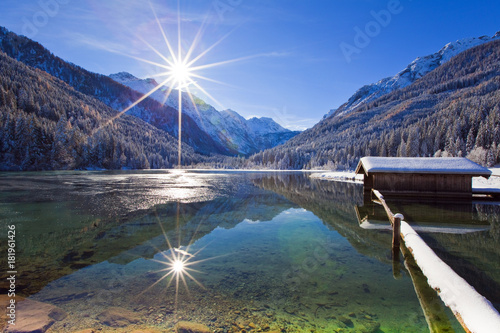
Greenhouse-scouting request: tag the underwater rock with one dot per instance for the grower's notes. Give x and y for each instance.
(188, 327)
(33, 316)
(347, 321)
(369, 327)
(4, 302)
(117, 317)
(57, 314)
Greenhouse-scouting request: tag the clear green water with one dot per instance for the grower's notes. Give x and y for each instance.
(268, 252)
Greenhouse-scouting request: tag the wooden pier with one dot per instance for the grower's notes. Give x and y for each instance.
(474, 312)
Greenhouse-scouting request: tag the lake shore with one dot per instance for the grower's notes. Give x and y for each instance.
(349, 176)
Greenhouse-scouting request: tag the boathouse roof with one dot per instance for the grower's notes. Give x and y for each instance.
(421, 165)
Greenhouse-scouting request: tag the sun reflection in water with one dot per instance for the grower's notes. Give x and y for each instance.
(178, 267)
(178, 262)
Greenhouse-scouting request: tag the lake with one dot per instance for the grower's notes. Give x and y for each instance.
(235, 251)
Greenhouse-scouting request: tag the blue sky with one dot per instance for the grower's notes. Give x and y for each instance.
(291, 62)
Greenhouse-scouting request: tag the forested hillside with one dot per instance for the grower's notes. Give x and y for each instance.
(108, 91)
(452, 111)
(45, 124)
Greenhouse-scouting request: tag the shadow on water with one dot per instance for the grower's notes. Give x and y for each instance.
(473, 255)
(465, 235)
(333, 203)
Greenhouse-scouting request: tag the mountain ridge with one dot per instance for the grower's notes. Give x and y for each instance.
(413, 71)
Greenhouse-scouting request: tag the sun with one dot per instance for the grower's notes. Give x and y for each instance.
(180, 74)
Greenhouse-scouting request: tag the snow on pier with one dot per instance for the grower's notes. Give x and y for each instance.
(475, 312)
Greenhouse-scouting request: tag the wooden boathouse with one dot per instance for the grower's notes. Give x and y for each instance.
(420, 176)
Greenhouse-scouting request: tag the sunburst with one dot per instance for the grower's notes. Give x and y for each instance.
(179, 70)
(178, 264)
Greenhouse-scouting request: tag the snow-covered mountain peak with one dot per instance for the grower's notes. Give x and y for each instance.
(224, 127)
(452, 49)
(151, 81)
(264, 125)
(415, 70)
(232, 113)
(124, 77)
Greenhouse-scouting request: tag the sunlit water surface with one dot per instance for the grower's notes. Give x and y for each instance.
(263, 252)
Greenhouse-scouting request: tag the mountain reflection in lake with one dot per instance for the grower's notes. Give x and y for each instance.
(273, 252)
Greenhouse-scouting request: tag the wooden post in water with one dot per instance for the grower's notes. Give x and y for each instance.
(396, 231)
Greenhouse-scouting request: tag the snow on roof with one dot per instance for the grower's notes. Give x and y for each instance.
(431, 165)
(475, 311)
(425, 229)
